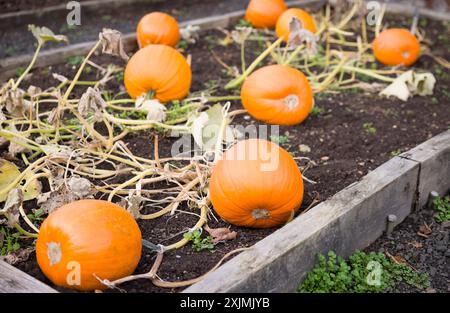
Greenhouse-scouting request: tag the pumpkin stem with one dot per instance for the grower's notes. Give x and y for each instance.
(260, 214)
(54, 252)
(150, 95)
(291, 101)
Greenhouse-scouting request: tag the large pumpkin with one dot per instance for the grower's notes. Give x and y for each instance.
(157, 28)
(256, 184)
(159, 69)
(282, 27)
(88, 238)
(277, 94)
(264, 13)
(396, 46)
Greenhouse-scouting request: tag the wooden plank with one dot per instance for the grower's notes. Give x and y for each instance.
(62, 7)
(350, 220)
(434, 159)
(13, 280)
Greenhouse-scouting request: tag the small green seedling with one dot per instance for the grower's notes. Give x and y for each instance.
(280, 140)
(361, 273)
(9, 241)
(243, 23)
(75, 60)
(369, 128)
(442, 205)
(396, 152)
(199, 243)
(316, 110)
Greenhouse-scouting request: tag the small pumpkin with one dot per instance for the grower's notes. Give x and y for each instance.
(157, 28)
(160, 70)
(256, 184)
(264, 13)
(282, 27)
(88, 238)
(277, 94)
(396, 46)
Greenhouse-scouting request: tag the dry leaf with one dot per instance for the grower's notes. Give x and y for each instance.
(44, 34)
(21, 255)
(80, 187)
(111, 40)
(12, 205)
(409, 84)
(416, 244)
(77, 188)
(156, 111)
(240, 34)
(132, 203)
(298, 35)
(59, 77)
(33, 91)
(425, 229)
(220, 234)
(207, 125)
(15, 103)
(189, 33)
(92, 102)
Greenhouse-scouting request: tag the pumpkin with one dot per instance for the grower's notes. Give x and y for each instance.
(160, 70)
(282, 27)
(264, 13)
(256, 184)
(396, 46)
(277, 94)
(157, 28)
(88, 238)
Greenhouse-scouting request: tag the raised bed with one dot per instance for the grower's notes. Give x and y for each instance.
(340, 223)
(350, 220)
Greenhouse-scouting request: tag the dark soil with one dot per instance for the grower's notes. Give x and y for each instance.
(343, 148)
(429, 254)
(123, 17)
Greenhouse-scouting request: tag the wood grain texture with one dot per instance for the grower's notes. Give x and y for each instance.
(13, 280)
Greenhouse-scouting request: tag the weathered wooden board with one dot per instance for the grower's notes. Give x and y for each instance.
(434, 159)
(62, 7)
(350, 220)
(13, 280)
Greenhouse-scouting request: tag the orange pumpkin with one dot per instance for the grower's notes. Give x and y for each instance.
(396, 46)
(282, 27)
(157, 28)
(277, 94)
(159, 69)
(264, 13)
(88, 238)
(256, 184)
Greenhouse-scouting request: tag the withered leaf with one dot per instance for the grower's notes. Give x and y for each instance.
(298, 35)
(21, 255)
(44, 34)
(92, 101)
(111, 40)
(12, 205)
(221, 234)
